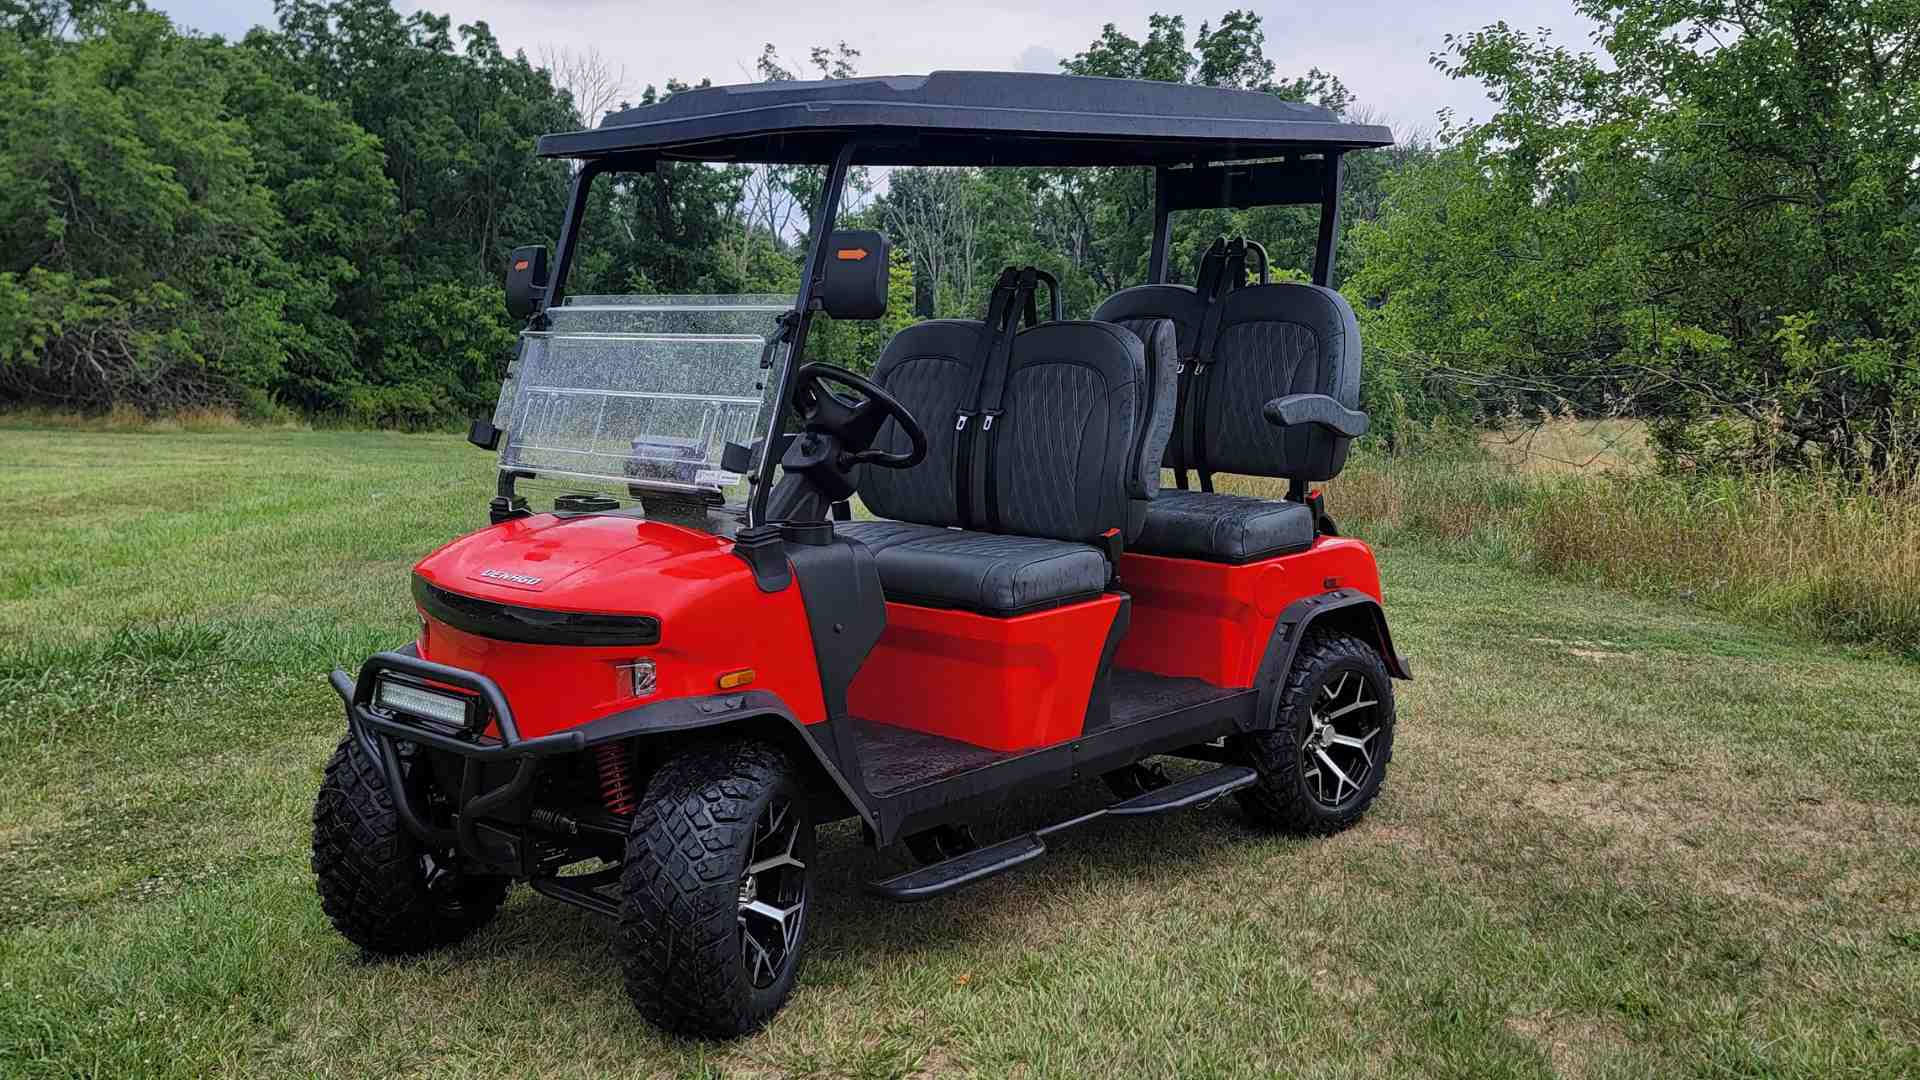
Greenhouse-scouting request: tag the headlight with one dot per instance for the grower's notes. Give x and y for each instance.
(395, 696)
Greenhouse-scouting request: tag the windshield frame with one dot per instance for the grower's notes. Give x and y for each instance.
(794, 323)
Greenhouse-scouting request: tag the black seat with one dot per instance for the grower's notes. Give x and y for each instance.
(1276, 384)
(994, 575)
(1224, 528)
(1056, 432)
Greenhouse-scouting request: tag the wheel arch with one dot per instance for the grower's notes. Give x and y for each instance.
(757, 714)
(1346, 610)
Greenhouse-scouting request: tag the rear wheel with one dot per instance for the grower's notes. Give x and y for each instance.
(718, 874)
(1323, 761)
(383, 889)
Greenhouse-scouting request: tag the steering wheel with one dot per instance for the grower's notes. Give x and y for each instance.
(854, 425)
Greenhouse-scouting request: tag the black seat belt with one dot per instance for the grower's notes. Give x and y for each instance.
(1212, 268)
(1003, 315)
(1235, 277)
(993, 391)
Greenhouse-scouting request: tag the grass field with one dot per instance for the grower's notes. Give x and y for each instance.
(1620, 838)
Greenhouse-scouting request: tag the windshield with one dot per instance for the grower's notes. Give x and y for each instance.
(643, 394)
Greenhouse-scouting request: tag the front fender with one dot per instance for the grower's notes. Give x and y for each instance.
(760, 712)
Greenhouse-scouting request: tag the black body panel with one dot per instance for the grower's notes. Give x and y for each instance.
(846, 613)
(529, 625)
(929, 780)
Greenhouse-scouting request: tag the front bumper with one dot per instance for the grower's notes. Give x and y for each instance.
(482, 759)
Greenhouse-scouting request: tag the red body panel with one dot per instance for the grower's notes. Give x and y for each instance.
(1008, 684)
(713, 617)
(1211, 621)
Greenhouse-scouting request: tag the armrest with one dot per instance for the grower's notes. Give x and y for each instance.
(1296, 409)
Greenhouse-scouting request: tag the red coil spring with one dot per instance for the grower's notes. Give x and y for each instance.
(616, 780)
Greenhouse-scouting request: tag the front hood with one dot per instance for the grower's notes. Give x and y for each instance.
(580, 563)
(555, 610)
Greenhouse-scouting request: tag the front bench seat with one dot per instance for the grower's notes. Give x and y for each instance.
(1272, 342)
(1061, 465)
(975, 571)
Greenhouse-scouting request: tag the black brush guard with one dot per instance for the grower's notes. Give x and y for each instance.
(379, 734)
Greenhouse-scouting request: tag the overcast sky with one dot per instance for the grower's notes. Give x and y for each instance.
(1380, 48)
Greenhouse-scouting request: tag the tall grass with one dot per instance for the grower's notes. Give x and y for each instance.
(126, 418)
(1820, 554)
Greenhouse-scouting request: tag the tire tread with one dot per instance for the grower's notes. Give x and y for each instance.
(677, 938)
(366, 866)
(1278, 800)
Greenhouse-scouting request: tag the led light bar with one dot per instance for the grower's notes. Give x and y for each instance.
(397, 696)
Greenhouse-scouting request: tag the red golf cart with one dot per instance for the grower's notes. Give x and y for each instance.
(645, 698)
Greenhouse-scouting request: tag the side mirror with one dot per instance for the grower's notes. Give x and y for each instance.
(855, 283)
(526, 281)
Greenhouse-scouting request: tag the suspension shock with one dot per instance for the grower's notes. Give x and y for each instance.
(616, 777)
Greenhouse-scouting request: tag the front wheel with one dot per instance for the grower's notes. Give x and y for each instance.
(1322, 762)
(718, 874)
(381, 888)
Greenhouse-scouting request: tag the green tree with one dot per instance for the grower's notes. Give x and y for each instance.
(1712, 225)
(140, 261)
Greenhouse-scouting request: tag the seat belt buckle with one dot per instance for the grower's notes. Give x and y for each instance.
(1113, 544)
(960, 420)
(1323, 523)
(986, 418)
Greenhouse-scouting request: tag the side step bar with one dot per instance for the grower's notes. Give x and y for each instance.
(950, 874)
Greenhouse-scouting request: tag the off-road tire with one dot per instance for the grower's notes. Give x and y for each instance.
(680, 937)
(373, 883)
(1281, 800)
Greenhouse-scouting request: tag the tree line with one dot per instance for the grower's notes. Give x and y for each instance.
(1705, 219)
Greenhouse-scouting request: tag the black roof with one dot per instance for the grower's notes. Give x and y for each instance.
(969, 118)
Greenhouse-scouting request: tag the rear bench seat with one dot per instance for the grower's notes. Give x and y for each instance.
(1264, 343)
(1060, 427)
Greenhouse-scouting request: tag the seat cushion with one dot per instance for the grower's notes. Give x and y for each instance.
(1222, 528)
(983, 572)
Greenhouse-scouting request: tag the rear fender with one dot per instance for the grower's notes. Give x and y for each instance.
(1346, 610)
(757, 714)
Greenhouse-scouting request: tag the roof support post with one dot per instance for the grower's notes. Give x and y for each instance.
(570, 229)
(1162, 229)
(1331, 176)
(824, 215)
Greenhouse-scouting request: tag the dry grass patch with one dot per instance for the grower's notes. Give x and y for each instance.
(1818, 554)
(1570, 446)
(1741, 842)
(1570, 1041)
